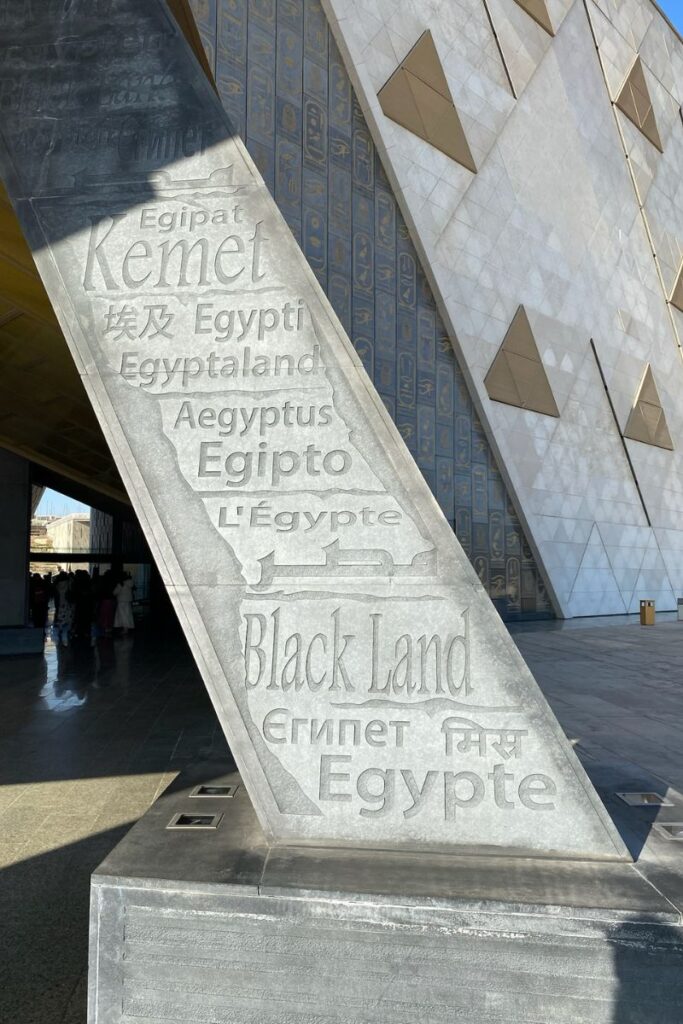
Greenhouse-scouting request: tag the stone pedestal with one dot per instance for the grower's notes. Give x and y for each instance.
(217, 927)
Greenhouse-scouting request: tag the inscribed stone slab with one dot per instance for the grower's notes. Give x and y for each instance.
(368, 689)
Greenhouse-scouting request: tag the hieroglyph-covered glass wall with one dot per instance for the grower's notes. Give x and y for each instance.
(284, 85)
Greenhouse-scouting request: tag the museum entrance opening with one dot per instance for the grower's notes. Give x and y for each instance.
(59, 535)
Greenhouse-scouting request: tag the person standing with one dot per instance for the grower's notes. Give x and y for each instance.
(123, 592)
(106, 604)
(83, 604)
(64, 610)
(39, 598)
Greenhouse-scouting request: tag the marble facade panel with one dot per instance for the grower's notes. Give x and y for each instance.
(523, 43)
(552, 221)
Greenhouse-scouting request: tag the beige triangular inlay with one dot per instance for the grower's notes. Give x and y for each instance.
(517, 375)
(423, 62)
(677, 294)
(537, 10)
(398, 103)
(634, 101)
(500, 382)
(647, 422)
(418, 98)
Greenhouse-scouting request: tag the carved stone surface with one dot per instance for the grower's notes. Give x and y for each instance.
(368, 689)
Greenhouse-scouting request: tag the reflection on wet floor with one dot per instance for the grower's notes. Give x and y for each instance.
(66, 687)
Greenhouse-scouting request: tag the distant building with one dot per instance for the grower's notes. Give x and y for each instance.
(69, 534)
(41, 541)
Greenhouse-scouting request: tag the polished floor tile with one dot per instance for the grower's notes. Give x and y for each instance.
(89, 737)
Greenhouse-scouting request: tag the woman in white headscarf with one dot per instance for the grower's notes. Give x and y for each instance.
(123, 592)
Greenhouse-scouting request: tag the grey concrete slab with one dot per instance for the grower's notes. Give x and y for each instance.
(328, 935)
(154, 854)
(188, 956)
(366, 685)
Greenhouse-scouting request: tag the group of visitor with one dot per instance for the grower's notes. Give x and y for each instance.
(85, 606)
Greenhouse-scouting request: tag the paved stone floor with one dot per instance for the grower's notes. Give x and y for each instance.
(616, 688)
(88, 739)
(90, 736)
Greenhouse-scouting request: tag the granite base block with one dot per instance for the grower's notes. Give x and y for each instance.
(217, 927)
(21, 640)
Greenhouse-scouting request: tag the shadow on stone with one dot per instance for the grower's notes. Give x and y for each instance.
(611, 776)
(648, 972)
(44, 903)
(148, 127)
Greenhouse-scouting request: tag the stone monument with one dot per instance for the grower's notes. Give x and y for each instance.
(371, 696)
(367, 687)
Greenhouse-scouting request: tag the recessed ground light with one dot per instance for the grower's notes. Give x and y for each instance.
(195, 821)
(220, 792)
(645, 800)
(672, 831)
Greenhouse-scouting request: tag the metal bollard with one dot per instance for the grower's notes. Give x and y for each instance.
(647, 613)
(680, 609)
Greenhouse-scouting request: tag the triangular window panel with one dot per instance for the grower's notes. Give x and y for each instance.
(517, 375)
(418, 98)
(647, 422)
(537, 10)
(423, 62)
(634, 101)
(677, 294)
